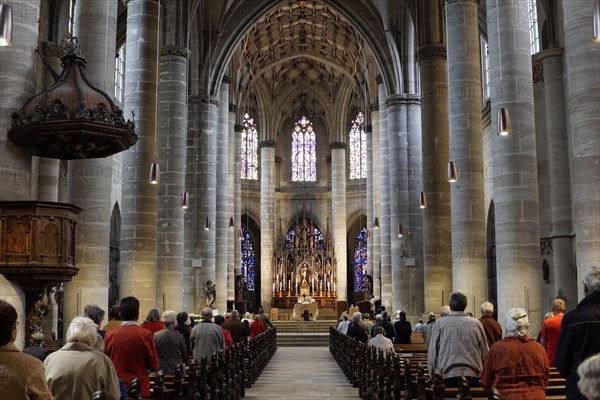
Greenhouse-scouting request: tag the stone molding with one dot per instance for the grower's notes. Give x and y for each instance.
(51, 49)
(449, 2)
(232, 108)
(208, 99)
(402, 99)
(226, 79)
(431, 51)
(553, 52)
(338, 145)
(374, 107)
(267, 143)
(545, 246)
(194, 99)
(538, 72)
(180, 51)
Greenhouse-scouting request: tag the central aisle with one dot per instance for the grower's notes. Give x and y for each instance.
(302, 373)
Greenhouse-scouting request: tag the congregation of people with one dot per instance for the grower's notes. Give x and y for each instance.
(518, 366)
(109, 356)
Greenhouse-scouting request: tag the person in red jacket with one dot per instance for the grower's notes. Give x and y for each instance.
(551, 329)
(257, 327)
(131, 347)
(220, 320)
(152, 321)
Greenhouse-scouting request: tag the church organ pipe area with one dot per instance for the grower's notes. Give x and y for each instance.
(304, 266)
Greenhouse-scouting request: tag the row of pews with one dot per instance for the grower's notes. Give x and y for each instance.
(225, 376)
(404, 375)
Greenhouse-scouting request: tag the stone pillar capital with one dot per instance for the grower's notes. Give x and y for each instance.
(194, 99)
(338, 145)
(267, 143)
(208, 99)
(374, 107)
(232, 108)
(169, 50)
(450, 2)
(431, 51)
(379, 79)
(402, 99)
(546, 53)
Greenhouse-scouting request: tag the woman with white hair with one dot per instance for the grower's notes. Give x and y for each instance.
(589, 377)
(77, 370)
(517, 366)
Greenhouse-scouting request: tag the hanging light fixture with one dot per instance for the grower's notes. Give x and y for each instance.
(154, 173)
(241, 234)
(207, 224)
(400, 230)
(368, 233)
(422, 200)
(6, 30)
(185, 200)
(452, 172)
(504, 128)
(230, 222)
(597, 21)
(376, 223)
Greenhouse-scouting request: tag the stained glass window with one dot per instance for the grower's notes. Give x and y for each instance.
(485, 67)
(247, 269)
(534, 35)
(358, 148)
(304, 158)
(71, 24)
(249, 149)
(360, 260)
(120, 74)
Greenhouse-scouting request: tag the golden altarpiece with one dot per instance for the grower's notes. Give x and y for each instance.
(304, 266)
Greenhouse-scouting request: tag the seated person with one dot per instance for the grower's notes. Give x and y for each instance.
(78, 370)
(21, 374)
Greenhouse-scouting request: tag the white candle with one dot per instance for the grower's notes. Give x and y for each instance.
(280, 285)
(273, 286)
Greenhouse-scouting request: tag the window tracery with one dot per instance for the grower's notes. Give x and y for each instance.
(249, 149)
(304, 158)
(358, 148)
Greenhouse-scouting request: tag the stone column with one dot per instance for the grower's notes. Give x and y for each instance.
(469, 268)
(549, 76)
(436, 218)
(222, 207)
(139, 211)
(206, 198)
(373, 194)
(172, 116)
(514, 157)
(397, 144)
(338, 216)
(267, 220)
(384, 218)
(237, 193)
(582, 89)
(17, 81)
(90, 181)
(413, 240)
(233, 174)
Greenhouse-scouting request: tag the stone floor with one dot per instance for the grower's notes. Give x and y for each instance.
(302, 373)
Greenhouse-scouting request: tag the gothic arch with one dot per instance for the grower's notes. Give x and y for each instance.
(355, 224)
(253, 229)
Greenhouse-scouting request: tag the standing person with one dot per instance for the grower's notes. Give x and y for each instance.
(265, 319)
(367, 323)
(444, 311)
(356, 330)
(551, 329)
(257, 327)
(390, 333)
(131, 347)
(96, 314)
(589, 372)
(206, 337)
(458, 345)
(114, 319)
(185, 330)
(21, 375)
(403, 330)
(517, 366)
(419, 326)
(493, 330)
(236, 328)
(220, 320)
(428, 328)
(78, 370)
(170, 344)
(580, 333)
(36, 348)
(343, 324)
(152, 321)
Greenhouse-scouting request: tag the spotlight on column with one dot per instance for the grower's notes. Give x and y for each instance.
(185, 200)
(422, 200)
(504, 128)
(230, 222)
(241, 235)
(400, 230)
(597, 21)
(6, 30)
(368, 233)
(207, 224)
(376, 223)
(154, 173)
(452, 172)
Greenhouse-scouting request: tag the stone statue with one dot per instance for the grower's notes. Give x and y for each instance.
(35, 315)
(211, 293)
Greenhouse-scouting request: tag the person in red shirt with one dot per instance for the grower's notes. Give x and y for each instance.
(131, 347)
(257, 327)
(220, 320)
(153, 322)
(551, 329)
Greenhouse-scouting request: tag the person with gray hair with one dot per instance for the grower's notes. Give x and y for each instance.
(237, 328)
(589, 377)
(493, 330)
(170, 344)
(517, 366)
(375, 325)
(36, 347)
(444, 311)
(96, 314)
(78, 370)
(458, 345)
(206, 337)
(356, 330)
(579, 333)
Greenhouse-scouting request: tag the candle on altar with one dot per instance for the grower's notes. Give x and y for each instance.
(320, 285)
(280, 285)
(289, 284)
(273, 286)
(327, 285)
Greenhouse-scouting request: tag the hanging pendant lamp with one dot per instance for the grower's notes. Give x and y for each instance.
(452, 172)
(504, 128)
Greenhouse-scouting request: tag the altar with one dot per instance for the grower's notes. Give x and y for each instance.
(299, 308)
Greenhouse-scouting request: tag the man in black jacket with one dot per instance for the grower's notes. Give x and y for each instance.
(580, 333)
(356, 329)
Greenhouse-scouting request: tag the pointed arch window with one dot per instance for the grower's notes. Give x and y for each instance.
(304, 158)
(249, 149)
(358, 148)
(247, 270)
(360, 260)
(71, 25)
(534, 35)
(120, 74)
